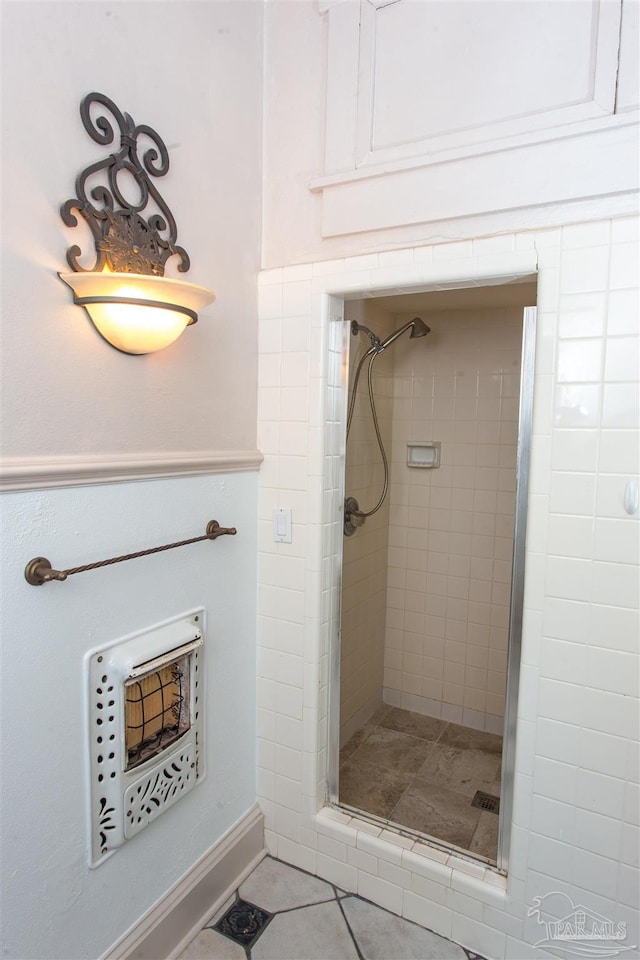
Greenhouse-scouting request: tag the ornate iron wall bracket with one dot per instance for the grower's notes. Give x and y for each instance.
(125, 242)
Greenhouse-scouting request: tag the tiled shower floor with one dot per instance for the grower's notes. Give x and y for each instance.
(423, 773)
(309, 919)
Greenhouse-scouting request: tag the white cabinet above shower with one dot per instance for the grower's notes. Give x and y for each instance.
(489, 107)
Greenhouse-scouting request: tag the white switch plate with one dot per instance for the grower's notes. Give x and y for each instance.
(282, 525)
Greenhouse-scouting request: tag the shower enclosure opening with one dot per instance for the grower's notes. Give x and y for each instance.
(435, 484)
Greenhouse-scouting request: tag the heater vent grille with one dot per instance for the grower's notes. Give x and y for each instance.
(152, 795)
(145, 706)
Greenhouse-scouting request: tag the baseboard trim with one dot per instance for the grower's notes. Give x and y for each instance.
(166, 929)
(29, 473)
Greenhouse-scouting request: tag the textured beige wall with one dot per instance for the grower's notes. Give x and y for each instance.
(450, 528)
(364, 581)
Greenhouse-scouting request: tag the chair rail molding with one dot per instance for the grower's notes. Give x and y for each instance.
(31, 473)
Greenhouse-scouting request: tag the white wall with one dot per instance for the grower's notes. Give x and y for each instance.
(74, 409)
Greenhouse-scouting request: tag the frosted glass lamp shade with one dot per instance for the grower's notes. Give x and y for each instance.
(137, 313)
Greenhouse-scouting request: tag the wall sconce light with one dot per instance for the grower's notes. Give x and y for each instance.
(129, 300)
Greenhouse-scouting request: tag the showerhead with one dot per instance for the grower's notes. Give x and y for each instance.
(417, 327)
(420, 329)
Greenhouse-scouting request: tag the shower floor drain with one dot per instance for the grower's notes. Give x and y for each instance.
(243, 923)
(486, 801)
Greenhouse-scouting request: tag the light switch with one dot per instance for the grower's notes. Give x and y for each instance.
(282, 525)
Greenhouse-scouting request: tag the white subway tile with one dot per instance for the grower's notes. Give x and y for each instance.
(586, 234)
(584, 270)
(612, 671)
(379, 848)
(619, 451)
(569, 578)
(622, 359)
(577, 405)
(430, 889)
(570, 536)
(620, 406)
(575, 450)
(599, 835)
(624, 270)
(616, 584)
(603, 753)
(342, 874)
(581, 360)
(555, 780)
(596, 872)
(433, 916)
(557, 740)
(601, 793)
(553, 819)
(427, 866)
(623, 312)
(296, 297)
(386, 894)
(572, 493)
(332, 848)
(610, 497)
(390, 837)
(288, 793)
(565, 619)
(625, 229)
(393, 874)
(362, 861)
(478, 936)
(327, 826)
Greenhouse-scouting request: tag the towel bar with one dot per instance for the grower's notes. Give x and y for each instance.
(39, 570)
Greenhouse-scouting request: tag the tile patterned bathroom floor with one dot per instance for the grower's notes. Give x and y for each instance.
(310, 919)
(422, 773)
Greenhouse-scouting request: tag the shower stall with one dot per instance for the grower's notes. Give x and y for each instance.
(437, 432)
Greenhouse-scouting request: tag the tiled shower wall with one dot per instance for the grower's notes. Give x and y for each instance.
(575, 817)
(451, 528)
(364, 563)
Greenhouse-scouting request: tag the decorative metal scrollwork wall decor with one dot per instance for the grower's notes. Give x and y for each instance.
(124, 240)
(131, 303)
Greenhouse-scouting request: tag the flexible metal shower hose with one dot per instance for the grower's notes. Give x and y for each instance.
(372, 353)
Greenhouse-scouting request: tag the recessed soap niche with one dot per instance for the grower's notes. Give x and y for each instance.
(146, 700)
(424, 454)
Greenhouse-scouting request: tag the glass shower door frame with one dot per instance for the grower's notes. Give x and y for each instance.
(338, 333)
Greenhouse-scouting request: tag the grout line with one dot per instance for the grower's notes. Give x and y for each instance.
(302, 906)
(352, 934)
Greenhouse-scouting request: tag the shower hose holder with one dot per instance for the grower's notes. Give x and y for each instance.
(352, 519)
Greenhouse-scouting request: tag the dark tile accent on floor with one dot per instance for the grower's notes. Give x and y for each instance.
(243, 923)
(342, 926)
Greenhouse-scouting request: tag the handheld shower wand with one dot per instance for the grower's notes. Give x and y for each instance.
(353, 516)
